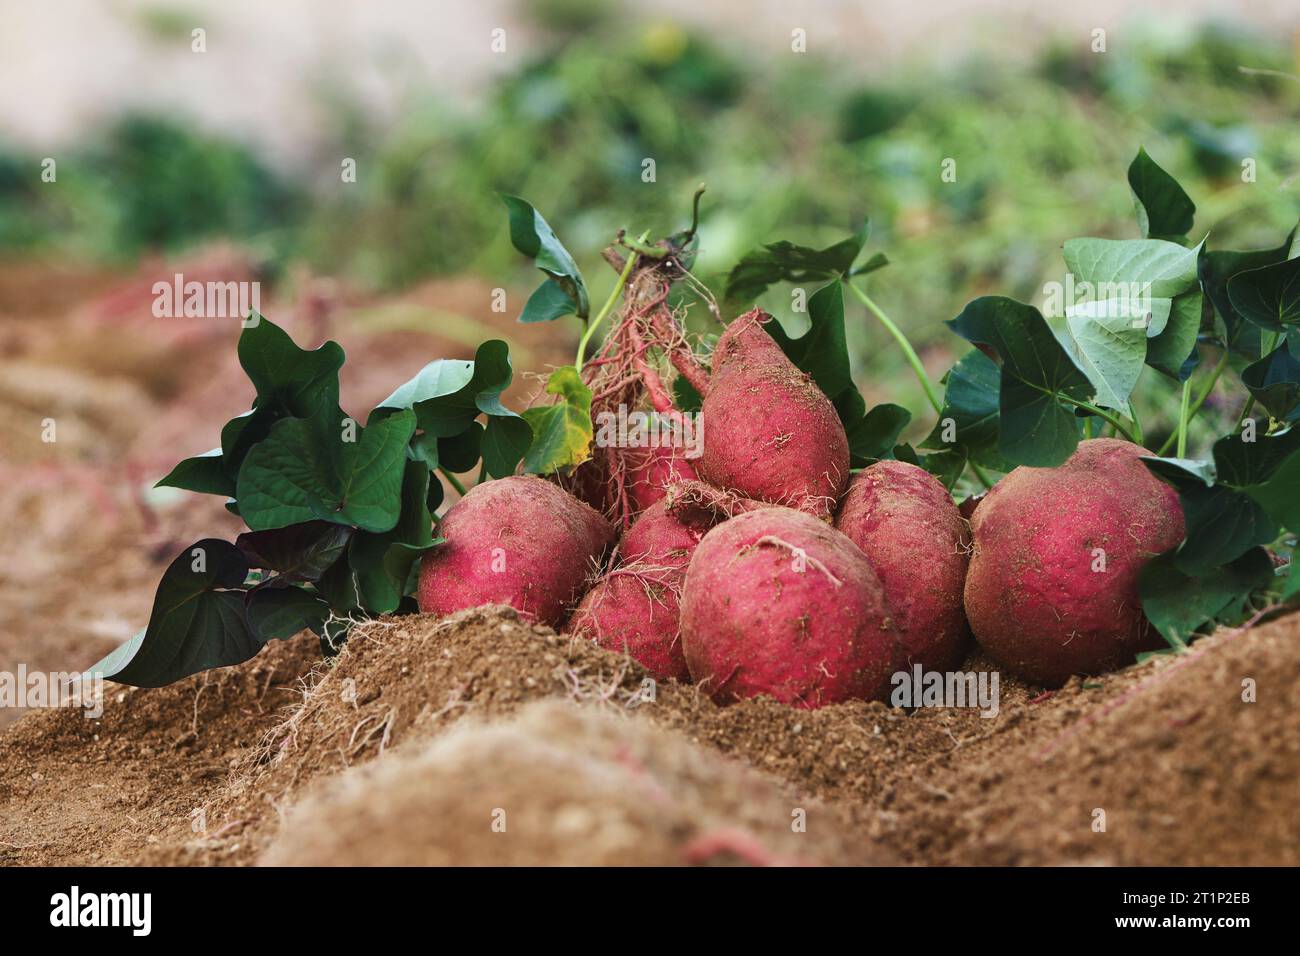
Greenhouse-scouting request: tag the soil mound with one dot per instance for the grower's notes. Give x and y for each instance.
(1184, 759)
(560, 785)
(77, 790)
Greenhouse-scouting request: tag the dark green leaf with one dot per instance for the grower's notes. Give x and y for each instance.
(822, 351)
(198, 621)
(532, 236)
(1178, 604)
(1216, 269)
(1268, 297)
(1164, 210)
(1036, 372)
(277, 613)
(306, 468)
(460, 453)
(1169, 352)
(874, 435)
(1274, 380)
(204, 473)
(382, 563)
(970, 403)
(548, 302)
(505, 442)
(300, 552)
(786, 262)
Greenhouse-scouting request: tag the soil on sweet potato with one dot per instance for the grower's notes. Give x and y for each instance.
(1187, 759)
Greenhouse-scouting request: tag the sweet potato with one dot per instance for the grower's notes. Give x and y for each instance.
(769, 432)
(918, 543)
(653, 470)
(1052, 588)
(777, 602)
(636, 607)
(520, 541)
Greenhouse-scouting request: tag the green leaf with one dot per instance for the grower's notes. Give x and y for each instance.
(822, 351)
(460, 453)
(877, 261)
(1216, 269)
(561, 432)
(1036, 371)
(1127, 290)
(437, 379)
(300, 552)
(1274, 380)
(1164, 210)
(291, 383)
(1241, 500)
(1171, 351)
(505, 442)
(1112, 265)
(1268, 297)
(198, 621)
(685, 397)
(278, 613)
(874, 435)
(1178, 604)
(382, 563)
(531, 235)
(307, 468)
(971, 403)
(786, 262)
(204, 473)
(548, 302)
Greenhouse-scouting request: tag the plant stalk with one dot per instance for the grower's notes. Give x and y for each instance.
(908, 352)
(1196, 405)
(453, 481)
(1182, 417)
(614, 293)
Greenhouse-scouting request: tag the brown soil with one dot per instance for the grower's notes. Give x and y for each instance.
(356, 763)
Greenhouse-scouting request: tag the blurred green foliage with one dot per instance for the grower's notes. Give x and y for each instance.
(791, 148)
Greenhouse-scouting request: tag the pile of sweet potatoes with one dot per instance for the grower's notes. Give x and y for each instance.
(776, 570)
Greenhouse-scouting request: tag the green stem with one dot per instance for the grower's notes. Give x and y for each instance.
(1101, 413)
(908, 352)
(1245, 413)
(452, 480)
(614, 293)
(1196, 405)
(1182, 417)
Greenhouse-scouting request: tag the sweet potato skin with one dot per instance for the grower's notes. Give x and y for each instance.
(653, 470)
(637, 607)
(753, 623)
(918, 543)
(520, 541)
(1033, 598)
(769, 432)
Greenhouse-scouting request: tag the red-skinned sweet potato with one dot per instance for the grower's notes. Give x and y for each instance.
(636, 607)
(769, 432)
(918, 543)
(777, 602)
(653, 470)
(520, 541)
(1052, 588)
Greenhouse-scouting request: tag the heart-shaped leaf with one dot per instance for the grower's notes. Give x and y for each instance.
(1268, 297)
(532, 236)
(1164, 210)
(326, 467)
(1034, 428)
(969, 421)
(198, 621)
